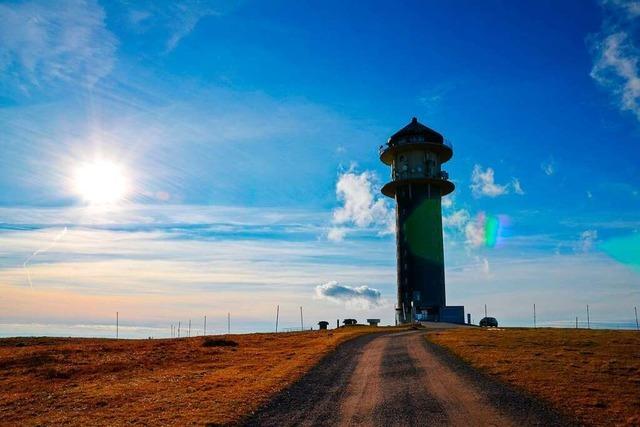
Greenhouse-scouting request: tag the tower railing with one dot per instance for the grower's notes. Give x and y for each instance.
(384, 147)
(399, 176)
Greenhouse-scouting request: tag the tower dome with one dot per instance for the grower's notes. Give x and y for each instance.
(415, 132)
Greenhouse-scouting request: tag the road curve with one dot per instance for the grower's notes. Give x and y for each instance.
(400, 380)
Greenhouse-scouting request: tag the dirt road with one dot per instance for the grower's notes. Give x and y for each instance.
(400, 380)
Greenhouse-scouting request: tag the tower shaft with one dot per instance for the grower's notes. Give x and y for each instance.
(420, 252)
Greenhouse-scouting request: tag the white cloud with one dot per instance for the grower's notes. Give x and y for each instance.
(517, 188)
(361, 296)
(548, 167)
(483, 184)
(447, 202)
(337, 234)
(362, 206)
(189, 13)
(176, 18)
(617, 54)
(474, 234)
(484, 265)
(47, 41)
(461, 222)
(587, 237)
(456, 220)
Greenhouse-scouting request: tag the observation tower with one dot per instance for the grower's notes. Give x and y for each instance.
(416, 154)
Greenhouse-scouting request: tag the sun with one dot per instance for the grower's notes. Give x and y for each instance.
(100, 182)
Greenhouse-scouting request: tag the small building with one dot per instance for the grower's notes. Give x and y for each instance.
(323, 324)
(452, 314)
(350, 322)
(373, 322)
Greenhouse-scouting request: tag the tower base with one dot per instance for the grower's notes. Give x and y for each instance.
(448, 314)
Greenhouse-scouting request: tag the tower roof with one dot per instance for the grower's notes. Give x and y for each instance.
(415, 128)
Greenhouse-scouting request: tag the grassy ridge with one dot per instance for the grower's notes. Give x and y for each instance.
(170, 382)
(593, 375)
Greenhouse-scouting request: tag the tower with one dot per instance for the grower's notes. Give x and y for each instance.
(416, 154)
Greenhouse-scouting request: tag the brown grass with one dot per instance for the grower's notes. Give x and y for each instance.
(53, 381)
(593, 375)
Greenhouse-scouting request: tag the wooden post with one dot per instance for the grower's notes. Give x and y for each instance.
(189, 333)
(277, 316)
(637, 325)
(534, 315)
(301, 320)
(229, 323)
(576, 322)
(117, 324)
(205, 326)
(588, 323)
(178, 329)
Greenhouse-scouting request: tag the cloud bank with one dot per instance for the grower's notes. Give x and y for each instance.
(361, 296)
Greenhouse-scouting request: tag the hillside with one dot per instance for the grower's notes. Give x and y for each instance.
(593, 375)
(167, 381)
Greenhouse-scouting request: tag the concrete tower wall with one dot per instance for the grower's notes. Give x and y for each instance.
(420, 251)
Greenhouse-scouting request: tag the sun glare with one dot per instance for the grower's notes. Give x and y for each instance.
(100, 182)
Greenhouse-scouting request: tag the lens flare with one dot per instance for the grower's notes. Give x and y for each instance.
(624, 249)
(493, 228)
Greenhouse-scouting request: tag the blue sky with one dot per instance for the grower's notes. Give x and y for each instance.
(247, 133)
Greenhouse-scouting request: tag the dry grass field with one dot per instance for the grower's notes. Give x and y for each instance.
(60, 381)
(593, 375)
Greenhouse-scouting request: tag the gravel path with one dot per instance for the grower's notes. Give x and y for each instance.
(400, 380)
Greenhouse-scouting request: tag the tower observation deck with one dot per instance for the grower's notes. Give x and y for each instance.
(418, 183)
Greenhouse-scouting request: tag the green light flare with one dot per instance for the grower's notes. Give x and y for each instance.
(491, 228)
(625, 250)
